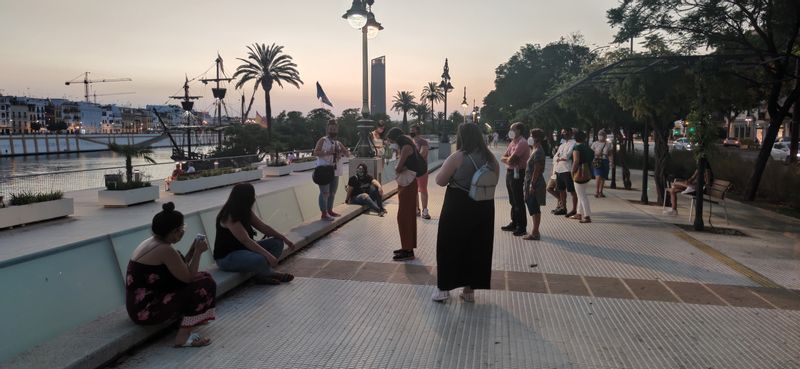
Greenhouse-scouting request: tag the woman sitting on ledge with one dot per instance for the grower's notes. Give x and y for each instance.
(161, 284)
(234, 248)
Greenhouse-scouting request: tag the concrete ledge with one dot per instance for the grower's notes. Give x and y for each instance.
(102, 340)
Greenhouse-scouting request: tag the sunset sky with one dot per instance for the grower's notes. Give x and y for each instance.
(155, 43)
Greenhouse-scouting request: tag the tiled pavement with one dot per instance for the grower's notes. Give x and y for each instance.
(627, 291)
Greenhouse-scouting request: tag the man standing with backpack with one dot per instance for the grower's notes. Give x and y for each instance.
(515, 158)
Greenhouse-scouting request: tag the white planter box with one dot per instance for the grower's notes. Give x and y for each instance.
(115, 199)
(304, 166)
(204, 183)
(24, 214)
(278, 171)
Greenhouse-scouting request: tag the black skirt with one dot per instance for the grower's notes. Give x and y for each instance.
(465, 241)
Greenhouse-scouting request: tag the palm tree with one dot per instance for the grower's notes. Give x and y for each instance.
(420, 111)
(404, 101)
(265, 65)
(132, 151)
(432, 93)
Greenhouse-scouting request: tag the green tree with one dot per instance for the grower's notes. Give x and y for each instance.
(433, 94)
(264, 66)
(420, 111)
(130, 152)
(766, 29)
(657, 98)
(456, 118)
(348, 123)
(244, 139)
(403, 102)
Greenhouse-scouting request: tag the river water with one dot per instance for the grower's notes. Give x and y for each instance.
(72, 172)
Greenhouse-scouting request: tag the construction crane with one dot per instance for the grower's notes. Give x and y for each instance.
(95, 95)
(86, 81)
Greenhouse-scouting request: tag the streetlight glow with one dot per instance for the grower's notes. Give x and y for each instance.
(356, 15)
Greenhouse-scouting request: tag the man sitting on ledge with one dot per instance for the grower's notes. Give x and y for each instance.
(362, 189)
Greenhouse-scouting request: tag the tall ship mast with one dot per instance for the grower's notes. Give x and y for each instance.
(219, 96)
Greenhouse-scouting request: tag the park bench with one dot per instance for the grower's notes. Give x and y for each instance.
(713, 194)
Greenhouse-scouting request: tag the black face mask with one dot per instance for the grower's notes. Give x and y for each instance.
(332, 134)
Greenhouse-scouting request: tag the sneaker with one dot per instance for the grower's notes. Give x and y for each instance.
(571, 213)
(403, 256)
(440, 296)
(467, 296)
(520, 232)
(670, 212)
(331, 213)
(397, 251)
(326, 216)
(560, 211)
(508, 228)
(425, 214)
(689, 189)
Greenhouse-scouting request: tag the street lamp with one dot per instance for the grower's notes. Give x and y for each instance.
(446, 87)
(360, 16)
(464, 104)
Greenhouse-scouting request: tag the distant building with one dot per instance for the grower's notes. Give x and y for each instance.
(135, 120)
(378, 96)
(5, 114)
(172, 115)
(91, 117)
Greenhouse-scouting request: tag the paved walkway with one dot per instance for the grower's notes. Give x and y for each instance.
(630, 290)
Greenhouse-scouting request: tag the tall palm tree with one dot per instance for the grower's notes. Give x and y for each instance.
(420, 111)
(432, 93)
(404, 101)
(264, 66)
(132, 151)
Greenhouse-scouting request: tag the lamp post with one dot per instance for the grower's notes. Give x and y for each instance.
(360, 16)
(464, 104)
(446, 87)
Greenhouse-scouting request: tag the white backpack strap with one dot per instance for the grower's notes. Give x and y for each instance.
(473, 162)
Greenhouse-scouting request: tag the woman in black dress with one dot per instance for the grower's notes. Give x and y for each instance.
(466, 227)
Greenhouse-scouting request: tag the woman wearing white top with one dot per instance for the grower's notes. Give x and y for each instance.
(329, 152)
(600, 166)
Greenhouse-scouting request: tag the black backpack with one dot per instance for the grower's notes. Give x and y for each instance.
(417, 163)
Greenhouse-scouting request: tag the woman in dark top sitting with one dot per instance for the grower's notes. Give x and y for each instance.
(161, 284)
(234, 248)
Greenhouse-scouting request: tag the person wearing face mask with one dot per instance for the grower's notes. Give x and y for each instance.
(406, 194)
(534, 187)
(377, 138)
(563, 168)
(515, 157)
(330, 152)
(422, 181)
(364, 190)
(602, 149)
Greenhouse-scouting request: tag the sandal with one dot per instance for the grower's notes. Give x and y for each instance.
(195, 340)
(467, 296)
(576, 216)
(586, 220)
(532, 237)
(268, 280)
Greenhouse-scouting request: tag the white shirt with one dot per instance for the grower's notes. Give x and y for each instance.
(329, 145)
(564, 152)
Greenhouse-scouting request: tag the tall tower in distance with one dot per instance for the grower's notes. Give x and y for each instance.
(378, 93)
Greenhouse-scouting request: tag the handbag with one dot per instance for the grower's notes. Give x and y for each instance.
(323, 174)
(583, 174)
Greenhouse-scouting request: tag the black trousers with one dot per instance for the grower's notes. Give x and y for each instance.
(516, 198)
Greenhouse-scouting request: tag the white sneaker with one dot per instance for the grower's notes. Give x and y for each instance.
(440, 296)
(670, 212)
(689, 189)
(425, 214)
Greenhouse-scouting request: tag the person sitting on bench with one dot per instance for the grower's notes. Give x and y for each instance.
(687, 187)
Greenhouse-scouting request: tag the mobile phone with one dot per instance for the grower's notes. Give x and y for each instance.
(200, 237)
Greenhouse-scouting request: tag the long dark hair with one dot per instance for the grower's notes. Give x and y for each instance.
(396, 134)
(239, 206)
(470, 139)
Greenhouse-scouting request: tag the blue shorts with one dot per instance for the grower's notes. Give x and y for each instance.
(533, 205)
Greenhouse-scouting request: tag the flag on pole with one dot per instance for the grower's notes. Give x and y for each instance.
(261, 121)
(322, 97)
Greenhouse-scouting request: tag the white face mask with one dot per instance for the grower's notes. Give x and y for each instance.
(512, 134)
(530, 141)
(394, 147)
